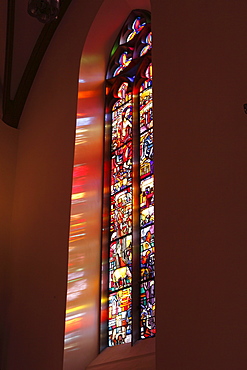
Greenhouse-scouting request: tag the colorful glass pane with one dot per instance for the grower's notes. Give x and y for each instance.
(147, 201)
(121, 168)
(146, 109)
(127, 150)
(148, 328)
(137, 26)
(120, 267)
(120, 317)
(121, 214)
(147, 253)
(124, 61)
(121, 125)
(148, 46)
(146, 154)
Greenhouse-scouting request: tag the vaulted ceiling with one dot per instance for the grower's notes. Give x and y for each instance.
(23, 42)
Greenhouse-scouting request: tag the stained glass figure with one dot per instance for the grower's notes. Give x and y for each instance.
(120, 317)
(146, 102)
(121, 168)
(121, 125)
(121, 214)
(131, 167)
(148, 328)
(120, 263)
(147, 253)
(146, 153)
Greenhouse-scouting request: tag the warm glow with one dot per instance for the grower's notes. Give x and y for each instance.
(85, 220)
(77, 196)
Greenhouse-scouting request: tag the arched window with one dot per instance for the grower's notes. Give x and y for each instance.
(128, 209)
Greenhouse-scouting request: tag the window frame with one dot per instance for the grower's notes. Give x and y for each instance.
(112, 83)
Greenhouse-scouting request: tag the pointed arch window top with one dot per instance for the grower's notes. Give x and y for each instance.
(133, 42)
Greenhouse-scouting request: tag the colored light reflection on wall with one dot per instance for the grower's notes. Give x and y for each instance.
(82, 314)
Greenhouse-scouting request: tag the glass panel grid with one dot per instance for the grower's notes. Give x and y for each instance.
(124, 190)
(147, 250)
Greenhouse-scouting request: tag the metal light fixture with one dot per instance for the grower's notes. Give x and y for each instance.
(44, 10)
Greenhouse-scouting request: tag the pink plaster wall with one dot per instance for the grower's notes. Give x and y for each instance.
(201, 181)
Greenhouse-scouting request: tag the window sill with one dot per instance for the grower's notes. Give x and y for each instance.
(139, 356)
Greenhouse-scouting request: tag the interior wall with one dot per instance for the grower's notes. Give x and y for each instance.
(200, 86)
(8, 150)
(42, 201)
(200, 81)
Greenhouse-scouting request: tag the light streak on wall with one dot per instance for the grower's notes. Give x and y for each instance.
(83, 286)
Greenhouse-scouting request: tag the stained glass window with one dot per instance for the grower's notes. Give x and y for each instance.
(128, 210)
